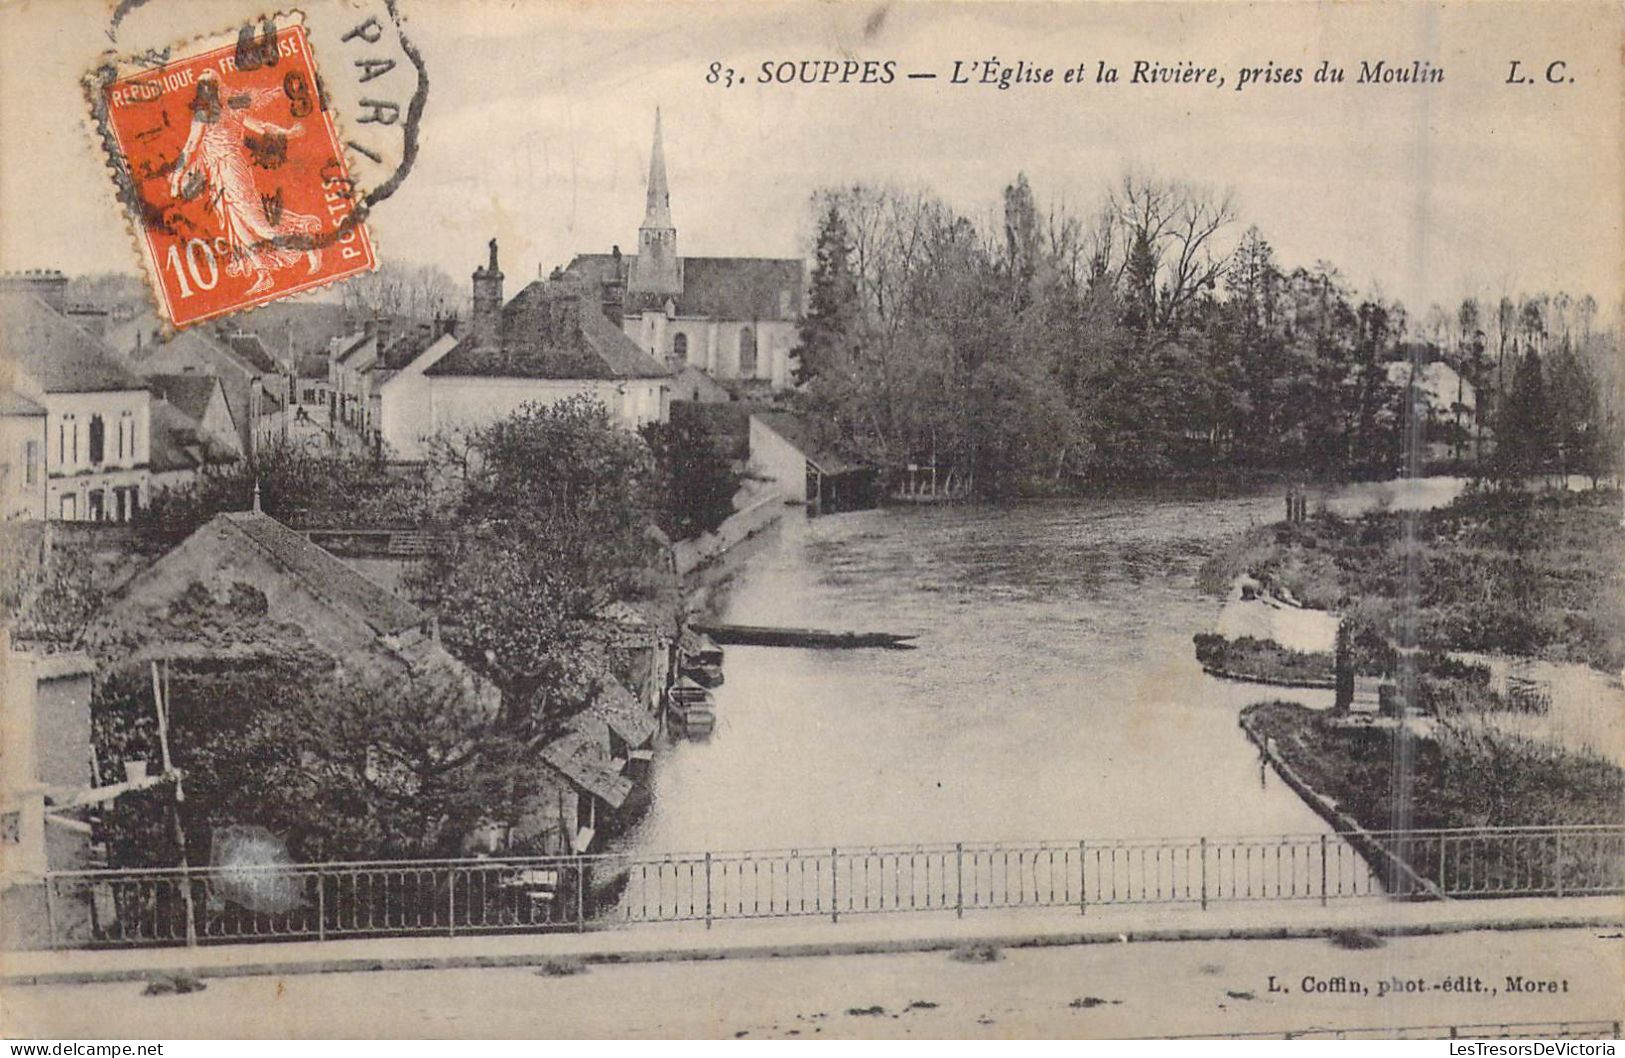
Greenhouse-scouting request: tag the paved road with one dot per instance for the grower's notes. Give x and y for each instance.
(1151, 988)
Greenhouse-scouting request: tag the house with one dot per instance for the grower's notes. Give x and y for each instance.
(22, 457)
(549, 342)
(733, 317)
(182, 449)
(348, 358)
(787, 449)
(254, 564)
(202, 399)
(254, 389)
(97, 412)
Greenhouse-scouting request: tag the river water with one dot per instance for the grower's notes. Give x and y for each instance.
(1054, 693)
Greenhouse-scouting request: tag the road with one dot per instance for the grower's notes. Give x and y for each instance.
(1099, 991)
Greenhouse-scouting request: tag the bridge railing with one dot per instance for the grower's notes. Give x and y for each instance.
(525, 894)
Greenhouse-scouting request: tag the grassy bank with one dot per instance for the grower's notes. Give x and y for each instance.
(1262, 661)
(1525, 574)
(1469, 775)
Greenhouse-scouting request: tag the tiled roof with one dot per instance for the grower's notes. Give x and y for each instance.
(253, 352)
(56, 354)
(179, 442)
(582, 757)
(722, 288)
(804, 436)
(323, 575)
(555, 330)
(14, 403)
(190, 393)
(623, 713)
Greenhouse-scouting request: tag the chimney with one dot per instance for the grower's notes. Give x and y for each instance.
(613, 295)
(383, 329)
(486, 326)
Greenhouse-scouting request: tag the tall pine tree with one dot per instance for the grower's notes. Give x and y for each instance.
(829, 329)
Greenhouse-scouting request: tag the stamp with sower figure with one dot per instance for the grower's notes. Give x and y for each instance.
(230, 160)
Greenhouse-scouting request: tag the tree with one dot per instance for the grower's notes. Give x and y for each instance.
(547, 526)
(829, 330)
(1522, 441)
(695, 481)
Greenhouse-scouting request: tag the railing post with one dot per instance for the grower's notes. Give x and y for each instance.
(50, 907)
(581, 895)
(321, 905)
(1559, 863)
(451, 902)
(1323, 870)
(707, 890)
(1203, 850)
(835, 885)
(959, 879)
(1442, 888)
(1083, 879)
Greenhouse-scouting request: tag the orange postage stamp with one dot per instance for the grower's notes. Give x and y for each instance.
(230, 162)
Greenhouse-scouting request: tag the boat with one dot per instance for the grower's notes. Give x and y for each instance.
(690, 708)
(818, 638)
(700, 659)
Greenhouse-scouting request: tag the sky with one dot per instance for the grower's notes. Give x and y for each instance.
(540, 114)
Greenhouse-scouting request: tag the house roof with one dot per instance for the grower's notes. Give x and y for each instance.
(14, 403)
(320, 573)
(56, 354)
(179, 441)
(582, 758)
(252, 351)
(802, 434)
(553, 329)
(190, 393)
(623, 714)
(723, 288)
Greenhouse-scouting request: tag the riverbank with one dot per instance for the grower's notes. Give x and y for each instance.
(1527, 574)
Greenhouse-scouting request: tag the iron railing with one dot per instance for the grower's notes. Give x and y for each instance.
(521, 894)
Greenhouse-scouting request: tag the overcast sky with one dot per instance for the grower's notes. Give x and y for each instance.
(540, 115)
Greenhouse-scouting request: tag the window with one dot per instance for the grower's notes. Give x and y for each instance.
(679, 350)
(30, 462)
(747, 353)
(96, 509)
(73, 431)
(61, 442)
(70, 508)
(98, 440)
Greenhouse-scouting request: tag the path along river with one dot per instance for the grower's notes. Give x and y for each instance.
(1054, 694)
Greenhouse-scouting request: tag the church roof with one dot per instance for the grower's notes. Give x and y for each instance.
(56, 354)
(721, 288)
(553, 330)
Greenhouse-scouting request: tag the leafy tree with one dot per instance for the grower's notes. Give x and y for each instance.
(696, 482)
(549, 525)
(1523, 444)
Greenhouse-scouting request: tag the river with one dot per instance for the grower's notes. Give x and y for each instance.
(1053, 695)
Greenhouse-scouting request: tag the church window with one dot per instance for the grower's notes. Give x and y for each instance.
(679, 350)
(98, 440)
(747, 353)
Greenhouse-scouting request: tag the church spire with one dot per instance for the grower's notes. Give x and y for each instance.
(657, 270)
(658, 212)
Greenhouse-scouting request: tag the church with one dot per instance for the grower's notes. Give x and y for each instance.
(734, 318)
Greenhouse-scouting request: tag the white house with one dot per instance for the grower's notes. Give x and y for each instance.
(548, 343)
(97, 412)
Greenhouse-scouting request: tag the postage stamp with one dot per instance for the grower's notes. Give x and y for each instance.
(231, 162)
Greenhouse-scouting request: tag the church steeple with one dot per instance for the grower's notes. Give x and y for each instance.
(657, 269)
(658, 212)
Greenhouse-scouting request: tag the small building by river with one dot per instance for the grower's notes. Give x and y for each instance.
(788, 450)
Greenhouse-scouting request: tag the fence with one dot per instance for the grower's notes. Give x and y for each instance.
(517, 894)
